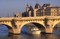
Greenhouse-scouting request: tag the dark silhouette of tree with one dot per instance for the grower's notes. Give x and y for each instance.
(46, 21)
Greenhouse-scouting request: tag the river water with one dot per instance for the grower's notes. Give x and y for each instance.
(26, 36)
(4, 35)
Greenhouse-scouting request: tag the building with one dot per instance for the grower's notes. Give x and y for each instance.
(51, 10)
(19, 14)
(45, 10)
(55, 11)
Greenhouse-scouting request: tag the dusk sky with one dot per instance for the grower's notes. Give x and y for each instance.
(10, 7)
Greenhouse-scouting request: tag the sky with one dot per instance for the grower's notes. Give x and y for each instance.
(10, 7)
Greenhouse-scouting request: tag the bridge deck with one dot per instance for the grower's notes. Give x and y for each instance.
(24, 18)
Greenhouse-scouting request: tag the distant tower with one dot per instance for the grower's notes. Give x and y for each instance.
(45, 7)
(30, 11)
(27, 8)
(37, 6)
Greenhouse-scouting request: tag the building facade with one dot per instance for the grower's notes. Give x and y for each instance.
(45, 10)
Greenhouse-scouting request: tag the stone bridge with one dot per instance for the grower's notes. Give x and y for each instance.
(45, 23)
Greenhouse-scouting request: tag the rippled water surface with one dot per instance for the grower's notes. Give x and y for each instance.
(4, 35)
(26, 36)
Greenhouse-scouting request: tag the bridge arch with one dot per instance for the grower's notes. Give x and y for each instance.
(10, 29)
(33, 22)
(56, 27)
(55, 23)
(37, 24)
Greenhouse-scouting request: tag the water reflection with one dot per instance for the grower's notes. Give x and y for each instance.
(56, 31)
(3, 30)
(4, 35)
(26, 36)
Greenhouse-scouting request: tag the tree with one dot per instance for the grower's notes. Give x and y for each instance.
(46, 21)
